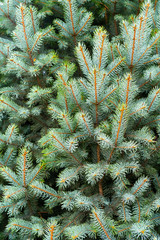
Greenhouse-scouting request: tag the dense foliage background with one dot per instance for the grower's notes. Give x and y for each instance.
(79, 119)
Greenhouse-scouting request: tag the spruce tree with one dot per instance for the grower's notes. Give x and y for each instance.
(79, 137)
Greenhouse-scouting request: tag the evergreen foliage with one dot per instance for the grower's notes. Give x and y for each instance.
(80, 120)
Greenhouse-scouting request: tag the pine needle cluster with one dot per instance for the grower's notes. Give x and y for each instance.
(80, 119)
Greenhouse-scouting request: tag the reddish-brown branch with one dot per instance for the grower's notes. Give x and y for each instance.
(25, 34)
(52, 228)
(126, 147)
(64, 179)
(59, 142)
(98, 160)
(110, 113)
(111, 155)
(8, 49)
(115, 66)
(66, 101)
(72, 22)
(84, 24)
(67, 225)
(107, 95)
(133, 48)
(10, 176)
(118, 51)
(152, 59)
(20, 40)
(100, 187)
(55, 70)
(145, 180)
(64, 116)
(64, 83)
(32, 20)
(153, 20)
(155, 5)
(104, 6)
(10, 133)
(3, 43)
(113, 103)
(19, 55)
(6, 15)
(47, 32)
(18, 65)
(2, 140)
(156, 49)
(157, 181)
(10, 195)
(145, 19)
(148, 48)
(155, 120)
(154, 218)
(14, 224)
(55, 37)
(124, 211)
(66, 149)
(153, 100)
(37, 173)
(139, 215)
(120, 122)
(104, 75)
(2, 53)
(43, 190)
(2, 101)
(119, 126)
(139, 1)
(75, 98)
(63, 28)
(83, 117)
(157, 74)
(112, 52)
(101, 50)
(8, 7)
(137, 110)
(81, 49)
(8, 157)
(95, 88)
(24, 168)
(115, 22)
(125, 28)
(121, 180)
(98, 153)
(83, 84)
(100, 223)
(47, 62)
(6, 206)
(127, 92)
(143, 84)
(141, 20)
(39, 36)
(123, 229)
